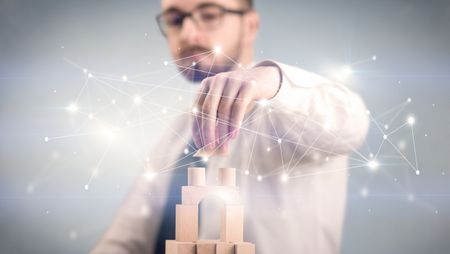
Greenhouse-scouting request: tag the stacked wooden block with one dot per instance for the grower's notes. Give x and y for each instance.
(232, 219)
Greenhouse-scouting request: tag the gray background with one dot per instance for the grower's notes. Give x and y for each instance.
(44, 207)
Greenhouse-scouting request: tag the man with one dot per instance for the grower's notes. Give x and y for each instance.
(287, 131)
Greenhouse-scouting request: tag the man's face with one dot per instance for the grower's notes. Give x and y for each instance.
(193, 43)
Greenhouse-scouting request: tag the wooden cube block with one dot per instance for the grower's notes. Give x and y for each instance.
(186, 223)
(227, 176)
(244, 248)
(232, 228)
(174, 247)
(206, 246)
(224, 248)
(196, 176)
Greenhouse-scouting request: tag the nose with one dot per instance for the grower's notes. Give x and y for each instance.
(190, 32)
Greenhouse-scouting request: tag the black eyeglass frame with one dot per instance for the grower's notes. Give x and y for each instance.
(190, 14)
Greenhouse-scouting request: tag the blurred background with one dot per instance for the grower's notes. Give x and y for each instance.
(72, 142)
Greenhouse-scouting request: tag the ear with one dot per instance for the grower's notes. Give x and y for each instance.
(251, 24)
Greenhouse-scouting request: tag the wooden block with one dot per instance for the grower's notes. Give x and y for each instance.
(186, 223)
(244, 248)
(232, 228)
(193, 195)
(224, 248)
(227, 176)
(174, 247)
(196, 176)
(206, 246)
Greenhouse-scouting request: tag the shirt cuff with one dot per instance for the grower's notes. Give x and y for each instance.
(295, 88)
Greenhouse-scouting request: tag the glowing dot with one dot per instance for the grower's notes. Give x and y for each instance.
(259, 178)
(411, 120)
(91, 116)
(417, 172)
(386, 126)
(374, 58)
(385, 137)
(72, 108)
(46, 139)
(145, 211)
(217, 49)
(364, 192)
(164, 110)
(253, 82)
(194, 63)
(247, 172)
(371, 155)
(113, 102)
(368, 112)
(268, 149)
(401, 144)
(84, 71)
(166, 63)
(124, 78)
(263, 102)
(284, 177)
(240, 65)
(186, 151)
(149, 175)
(347, 70)
(205, 159)
(30, 188)
(409, 98)
(86, 187)
(137, 100)
(109, 134)
(279, 141)
(194, 110)
(373, 165)
(73, 235)
(343, 73)
(90, 75)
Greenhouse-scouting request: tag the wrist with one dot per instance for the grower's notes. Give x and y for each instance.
(270, 81)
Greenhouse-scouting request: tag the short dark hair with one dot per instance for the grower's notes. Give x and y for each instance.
(248, 3)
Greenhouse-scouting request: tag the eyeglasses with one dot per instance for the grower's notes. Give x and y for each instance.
(206, 16)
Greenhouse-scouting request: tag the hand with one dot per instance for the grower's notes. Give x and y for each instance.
(223, 101)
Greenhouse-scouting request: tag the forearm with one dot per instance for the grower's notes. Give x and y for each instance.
(316, 115)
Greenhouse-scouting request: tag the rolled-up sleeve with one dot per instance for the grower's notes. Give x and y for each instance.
(316, 114)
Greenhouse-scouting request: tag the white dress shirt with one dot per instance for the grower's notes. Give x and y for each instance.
(305, 133)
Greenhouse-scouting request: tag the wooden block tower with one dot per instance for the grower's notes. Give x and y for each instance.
(232, 219)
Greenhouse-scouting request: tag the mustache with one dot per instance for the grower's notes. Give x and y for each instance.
(194, 50)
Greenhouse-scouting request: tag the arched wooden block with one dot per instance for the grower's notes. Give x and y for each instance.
(193, 195)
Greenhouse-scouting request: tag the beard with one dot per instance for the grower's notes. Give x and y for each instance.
(206, 63)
